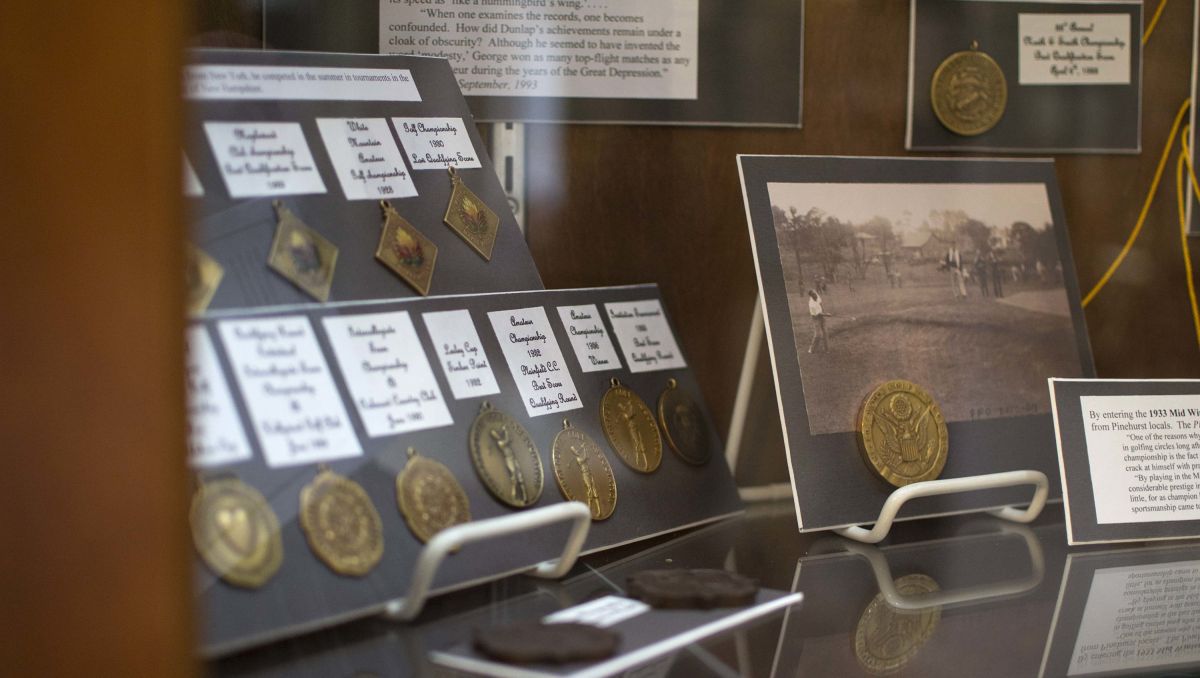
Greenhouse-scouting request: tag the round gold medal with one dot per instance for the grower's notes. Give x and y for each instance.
(683, 425)
(969, 92)
(886, 638)
(630, 428)
(430, 497)
(582, 471)
(902, 434)
(341, 523)
(506, 458)
(236, 533)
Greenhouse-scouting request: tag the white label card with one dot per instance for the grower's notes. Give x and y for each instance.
(436, 143)
(1074, 49)
(601, 612)
(263, 158)
(585, 329)
(1144, 456)
(368, 163)
(535, 360)
(298, 83)
(460, 353)
(191, 183)
(386, 370)
(645, 336)
(285, 381)
(215, 434)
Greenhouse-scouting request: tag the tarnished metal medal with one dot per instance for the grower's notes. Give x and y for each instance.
(630, 428)
(405, 250)
(902, 433)
(683, 425)
(203, 277)
(430, 497)
(235, 532)
(473, 220)
(506, 458)
(341, 523)
(301, 255)
(582, 471)
(886, 638)
(969, 92)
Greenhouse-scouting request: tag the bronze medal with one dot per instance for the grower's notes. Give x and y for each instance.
(235, 532)
(683, 425)
(969, 92)
(506, 458)
(203, 277)
(341, 523)
(474, 221)
(582, 471)
(630, 428)
(902, 434)
(405, 250)
(886, 638)
(301, 255)
(430, 497)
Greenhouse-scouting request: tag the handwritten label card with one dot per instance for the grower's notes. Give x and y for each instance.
(369, 165)
(215, 434)
(191, 183)
(645, 336)
(463, 360)
(293, 402)
(593, 347)
(535, 360)
(436, 143)
(1074, 49)
(263, 158)
(387, 372)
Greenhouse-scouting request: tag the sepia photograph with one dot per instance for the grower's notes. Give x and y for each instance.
(957, 287)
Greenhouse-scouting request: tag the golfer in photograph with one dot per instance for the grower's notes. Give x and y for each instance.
(818, 315)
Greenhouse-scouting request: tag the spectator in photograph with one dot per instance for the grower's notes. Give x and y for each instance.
(818, 316)
(955, 264)
(997, 270)
(980, 272)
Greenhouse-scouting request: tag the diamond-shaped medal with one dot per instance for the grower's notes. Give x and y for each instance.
(471, 218)
(406, 251)
(203, 277)
(302, 255)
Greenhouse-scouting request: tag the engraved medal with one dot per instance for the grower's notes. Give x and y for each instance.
(683, 425)
(630, 428)
(506, 458)
(471, 218)
(429, 497)
(405, 250)
(235, 532)
(886, 638)
(582, 471)
(902, 434)
(301, 255)
(969, 92)
(341, 523)
(203, 277)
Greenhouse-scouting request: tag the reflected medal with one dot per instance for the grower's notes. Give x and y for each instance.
(301, 255)
(582, 471)
(968, 92)
(506, 458)
(235, 532)
(902, 433)
(886, 638)
(341, 523)
(203, 277)
(683, 425)
(471, 218)
(630, 428)
(405, 250)
(430, 497)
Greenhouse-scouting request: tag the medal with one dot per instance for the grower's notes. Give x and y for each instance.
(471, 218)
(405, 250)
(429, 497)
(582, 471)
(301, 255)
(969, 92)
(235, 532)
(683, 425)
(203, 277)
(506, 458)
(886, 638)
(341, 523)
(902, 434)
(630, 428)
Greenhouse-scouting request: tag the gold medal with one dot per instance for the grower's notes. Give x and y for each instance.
(969, 92)
(341, 523)
(683, 425)
(301, 255)
(582, 471)
(506, 458)
(429, 497)
(886, 638)
(902, 434)
(203, 277)
(405, 250)
(236, 533)
(630, 428)
(471, 218)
